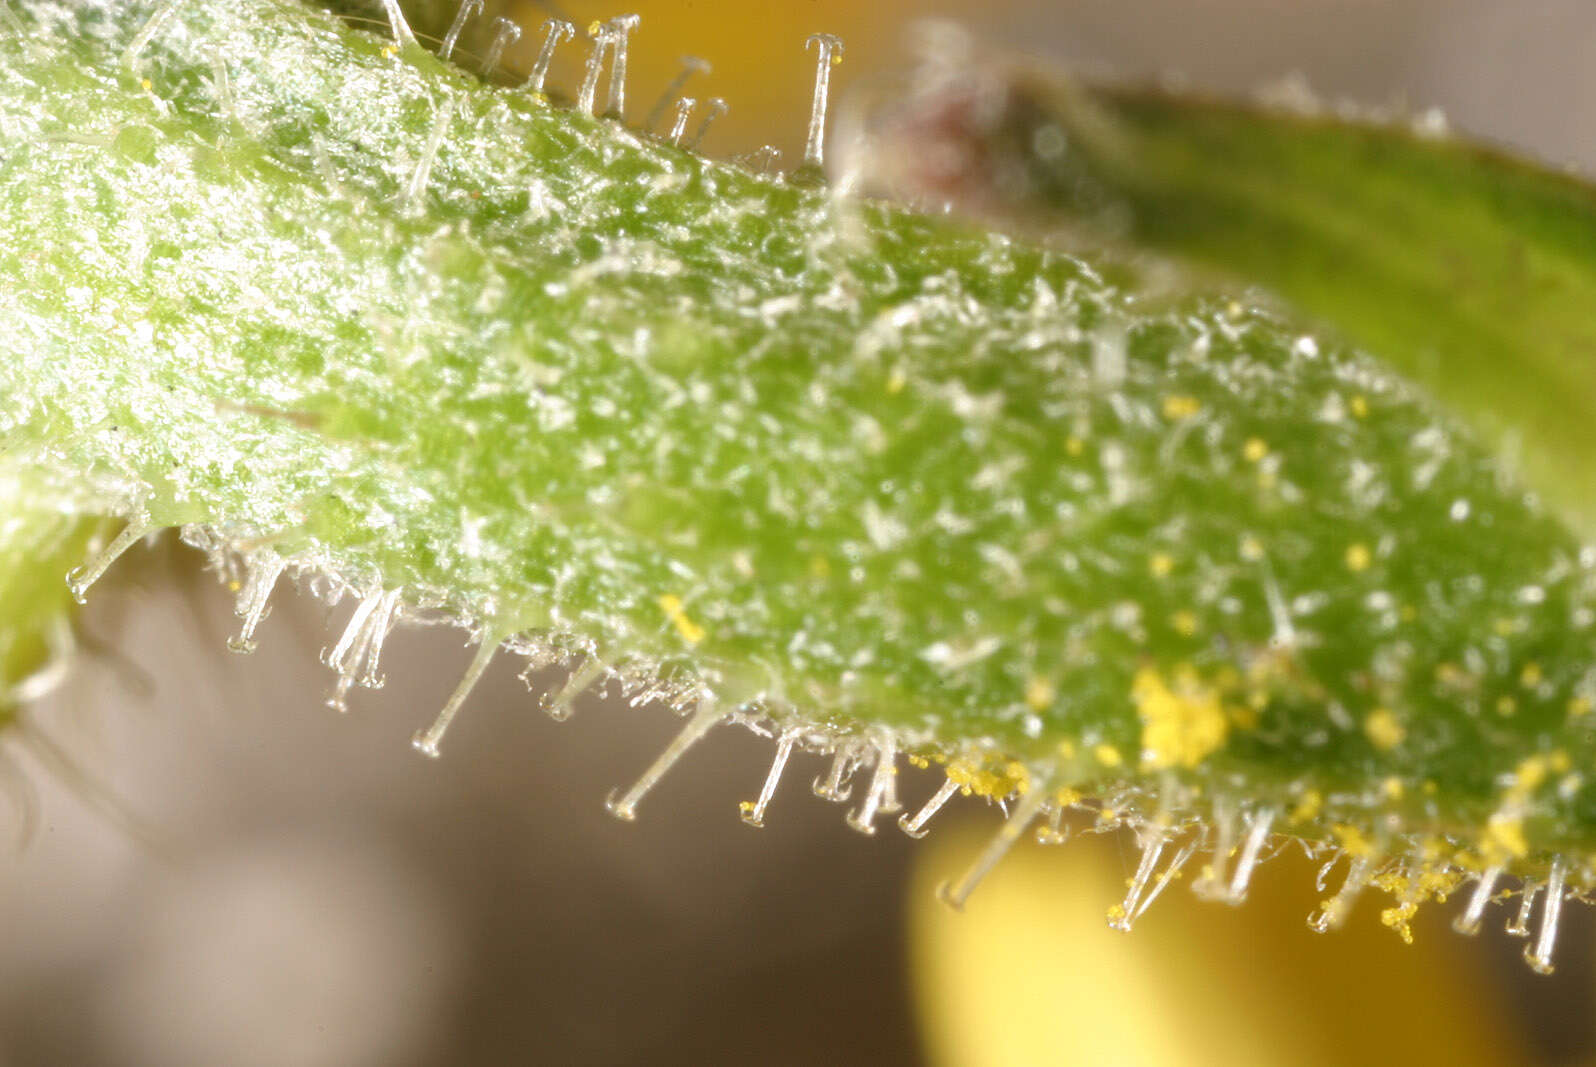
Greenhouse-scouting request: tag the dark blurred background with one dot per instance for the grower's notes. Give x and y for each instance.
(232, 874)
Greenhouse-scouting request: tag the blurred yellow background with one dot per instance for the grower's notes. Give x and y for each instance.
(1030, 972)
(760, 64)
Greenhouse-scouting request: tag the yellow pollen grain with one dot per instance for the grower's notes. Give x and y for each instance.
(1579, 707)
(1433, 880)
(1439, 881)
(1359, 557)
(1182, 726)
(389, 51)
(896, 382)
(1530, 676)
(1430, 882)
(1308, 807)
(1160, 564)
(1399, 919)
(671, 605)
(1108, 755)
(144, 83)
(1039, 693)
(1074, 445)
(1353, 841)
(1066, 797)
(1360, 407)
(974, 779)
(1181, 407)
(1506, 706)
(1392, 788)
(1503, 840)
(1393, 882)
(1529, 775)
(1255, 449)
(1184, 623)
(1384, 730)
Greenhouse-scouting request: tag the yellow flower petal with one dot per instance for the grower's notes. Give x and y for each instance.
(1029, 972)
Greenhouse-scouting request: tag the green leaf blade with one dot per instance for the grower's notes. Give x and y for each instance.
(861, 472)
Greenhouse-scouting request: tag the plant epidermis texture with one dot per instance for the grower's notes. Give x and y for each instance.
(836, 464)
